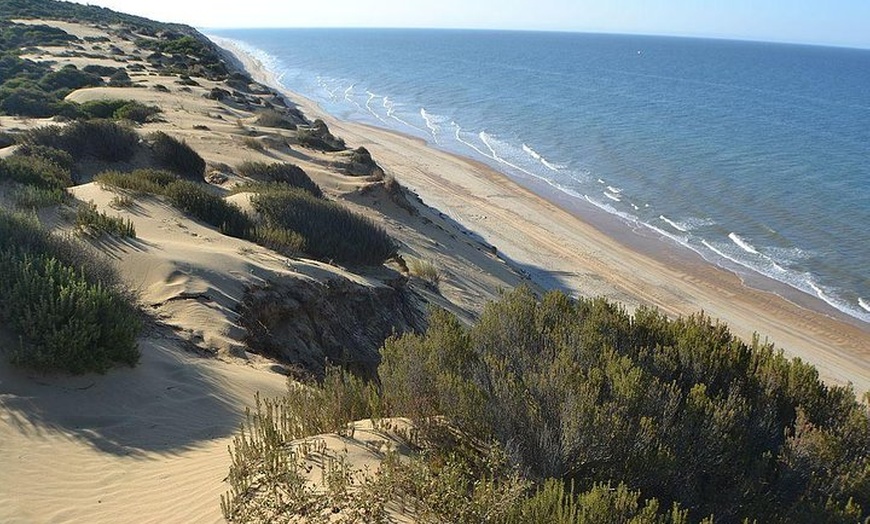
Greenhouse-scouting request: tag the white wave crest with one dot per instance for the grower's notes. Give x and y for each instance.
(864, 304)
(743, 244)
(537, 156)
(615, 198)
(675, 225)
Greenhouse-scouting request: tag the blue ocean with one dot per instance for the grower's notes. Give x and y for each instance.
(754, 155)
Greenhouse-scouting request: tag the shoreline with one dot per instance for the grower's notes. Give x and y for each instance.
(583, 252)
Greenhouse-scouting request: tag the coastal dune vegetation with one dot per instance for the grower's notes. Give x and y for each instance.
(561, 410)
(541, 408)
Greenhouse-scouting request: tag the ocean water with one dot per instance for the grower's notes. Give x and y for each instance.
(754, 155)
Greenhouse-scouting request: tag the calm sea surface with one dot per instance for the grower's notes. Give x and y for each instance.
(756, 156)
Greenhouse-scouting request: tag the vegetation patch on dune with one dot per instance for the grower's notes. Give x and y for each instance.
(62, 302)
(288, 174)
(576, 410)
(331, 231)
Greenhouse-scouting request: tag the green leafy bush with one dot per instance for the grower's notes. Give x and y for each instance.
(119, 110)
(102, 139)
(58, 157)
(34, 171)
(177, 156)
(62, 303)
(34, 103)
(287, 174)
(330, 231)
(608, 417)
(34, 197)
(69, 78)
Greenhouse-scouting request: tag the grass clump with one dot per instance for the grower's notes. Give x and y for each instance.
(331, 231)
(573, 411)
(138, 182)
(425, 270)
(288, 174)
(176, 156)
(54, 298)
(90, 221)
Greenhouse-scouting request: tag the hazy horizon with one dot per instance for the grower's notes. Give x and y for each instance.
(841, 23)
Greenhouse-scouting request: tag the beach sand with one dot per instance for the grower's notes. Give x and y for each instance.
(561, 250)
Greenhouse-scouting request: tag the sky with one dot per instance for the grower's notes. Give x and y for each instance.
(830, 22)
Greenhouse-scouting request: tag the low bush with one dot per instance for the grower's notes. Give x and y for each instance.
(35, 197)
(34, 103)
(136, 112)
(102, 139)
(177, 156)
(331, 231)
(58, 157)
(92, 222)
(69, 78)
(253, 143)
(280, 240)
(99, 70)
(120, 78)
(140, 181)
(52, 296)
(288, 174)
(34, 171)
(196, 200)
(7, 139)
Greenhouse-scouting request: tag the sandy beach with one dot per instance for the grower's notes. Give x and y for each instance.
(558, 249)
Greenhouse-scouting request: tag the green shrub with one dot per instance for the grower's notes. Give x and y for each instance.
(69, 78)
(7, 139)
(61, 301)
(120, 78)
(331, 231)
(93, 222)
(140, 181)
(135, 111)
(34, 197)
(281, 240)
(196, 200)
(34, 171)
(99, 70)
(102, 139)
(58, 157)
(177, 156)
(119, 110)
(30, 102)
(288, 174)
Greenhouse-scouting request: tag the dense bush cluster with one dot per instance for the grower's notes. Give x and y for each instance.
(679, 419)
(36, 171)
(61, 302)
(289, 174)
(330, 230)
(176, 156)
(101, 139)
(119, 110)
